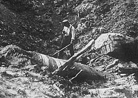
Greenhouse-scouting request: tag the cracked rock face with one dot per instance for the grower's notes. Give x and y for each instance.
(118, 46)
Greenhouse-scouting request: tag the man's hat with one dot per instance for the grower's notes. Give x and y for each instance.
(65, 21)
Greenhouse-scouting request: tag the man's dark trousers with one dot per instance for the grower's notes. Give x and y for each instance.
(66, 41)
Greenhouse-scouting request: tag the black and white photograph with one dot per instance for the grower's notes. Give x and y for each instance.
(68, 48)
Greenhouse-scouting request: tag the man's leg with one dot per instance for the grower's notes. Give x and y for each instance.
(71, 49)
(64, 43)
(61, 52)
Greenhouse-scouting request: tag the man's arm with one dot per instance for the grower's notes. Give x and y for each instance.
(62, 34)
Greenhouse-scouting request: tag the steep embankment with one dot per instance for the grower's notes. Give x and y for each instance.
(30, 29)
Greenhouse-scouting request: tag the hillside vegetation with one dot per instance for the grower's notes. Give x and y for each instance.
(35, 25)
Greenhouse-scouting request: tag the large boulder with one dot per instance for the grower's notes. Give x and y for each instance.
(118, 46)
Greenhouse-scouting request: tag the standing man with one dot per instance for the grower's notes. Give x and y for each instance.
(68, 37)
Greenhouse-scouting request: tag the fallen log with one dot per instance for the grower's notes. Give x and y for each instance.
(69, 63)
(14, 55)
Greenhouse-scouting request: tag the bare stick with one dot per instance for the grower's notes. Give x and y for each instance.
(75, 75)
(61, 49)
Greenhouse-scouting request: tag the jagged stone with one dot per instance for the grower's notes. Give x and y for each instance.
(118, 46)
